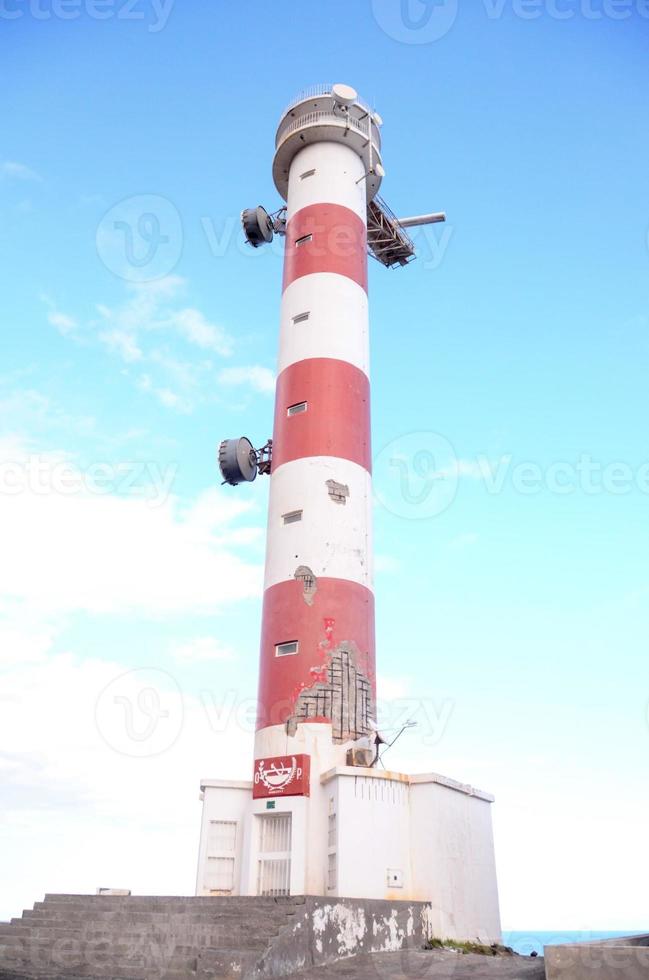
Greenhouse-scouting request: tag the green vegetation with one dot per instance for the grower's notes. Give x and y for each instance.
(469, 947)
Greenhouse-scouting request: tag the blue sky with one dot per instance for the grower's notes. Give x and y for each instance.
(511, 600)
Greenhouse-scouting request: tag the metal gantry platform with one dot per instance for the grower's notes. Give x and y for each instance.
(387, 241)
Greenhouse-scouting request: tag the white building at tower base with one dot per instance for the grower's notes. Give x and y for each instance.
(361, 832)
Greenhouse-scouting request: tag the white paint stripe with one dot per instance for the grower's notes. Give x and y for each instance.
(337, 324)
(332, 539)
(338, 179)
(310, 739)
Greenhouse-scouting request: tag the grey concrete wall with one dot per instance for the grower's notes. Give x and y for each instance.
(613, 959)
(331, 929)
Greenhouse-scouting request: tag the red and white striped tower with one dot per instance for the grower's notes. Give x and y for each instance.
(319, 818)
(317, 644)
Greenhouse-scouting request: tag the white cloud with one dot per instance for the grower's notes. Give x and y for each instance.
(18, 171)
(122, 343)
(193, 326)
(200, 649)
(170, 399)
(258, 378)
(166, 397)
(151, 311)
(29, 410)
(22, 639)
(113, 781)
(150, 308)
(106, 553)
(77, 764)
(64, 324)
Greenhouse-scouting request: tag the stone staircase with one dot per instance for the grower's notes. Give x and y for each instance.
(132, 938)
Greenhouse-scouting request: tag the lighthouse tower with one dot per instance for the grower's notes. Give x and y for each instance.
(320, 816)
(317, 662)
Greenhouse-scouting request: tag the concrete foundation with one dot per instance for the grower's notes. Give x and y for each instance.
(96, 936)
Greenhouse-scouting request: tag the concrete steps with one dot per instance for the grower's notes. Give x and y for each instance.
(127, 938)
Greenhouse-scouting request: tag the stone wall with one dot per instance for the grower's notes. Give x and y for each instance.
(611, 959)
(329, 930)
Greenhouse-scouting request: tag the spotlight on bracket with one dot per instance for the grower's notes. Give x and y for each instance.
(259, 226)
(239, 461)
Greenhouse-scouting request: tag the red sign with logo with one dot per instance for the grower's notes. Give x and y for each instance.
(286, 775)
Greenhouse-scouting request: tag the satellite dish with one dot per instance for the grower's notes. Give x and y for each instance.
(257, 226)
(344, 94)
(379, 170)
(237, 461)
(376, 119)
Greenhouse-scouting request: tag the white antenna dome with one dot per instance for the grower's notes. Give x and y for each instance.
(344, 94)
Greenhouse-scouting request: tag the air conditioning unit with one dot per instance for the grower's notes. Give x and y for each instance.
(360, 757)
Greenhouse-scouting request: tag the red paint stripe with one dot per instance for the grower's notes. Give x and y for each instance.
(338, 244)
(342, 611)
(337, 419)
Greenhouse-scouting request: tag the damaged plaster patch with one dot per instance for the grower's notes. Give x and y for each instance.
(342, 693)
(429, 921)
(410, 924)
(347, 925)
(339, 492)
(309, 582)
(387, 932)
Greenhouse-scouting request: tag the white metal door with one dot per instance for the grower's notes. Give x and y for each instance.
(274, 865)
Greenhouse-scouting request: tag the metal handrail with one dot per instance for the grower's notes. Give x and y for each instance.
(317, 91)
(320, 116)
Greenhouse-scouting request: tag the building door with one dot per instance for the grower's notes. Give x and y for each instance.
(274, 864)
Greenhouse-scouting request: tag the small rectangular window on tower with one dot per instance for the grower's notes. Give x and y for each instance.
(301, 317)
(296, 409)
(307, 173)
(303, 240)
(286, 649)
(293, 517)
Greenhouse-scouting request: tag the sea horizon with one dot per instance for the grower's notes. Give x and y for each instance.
(525, 942)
